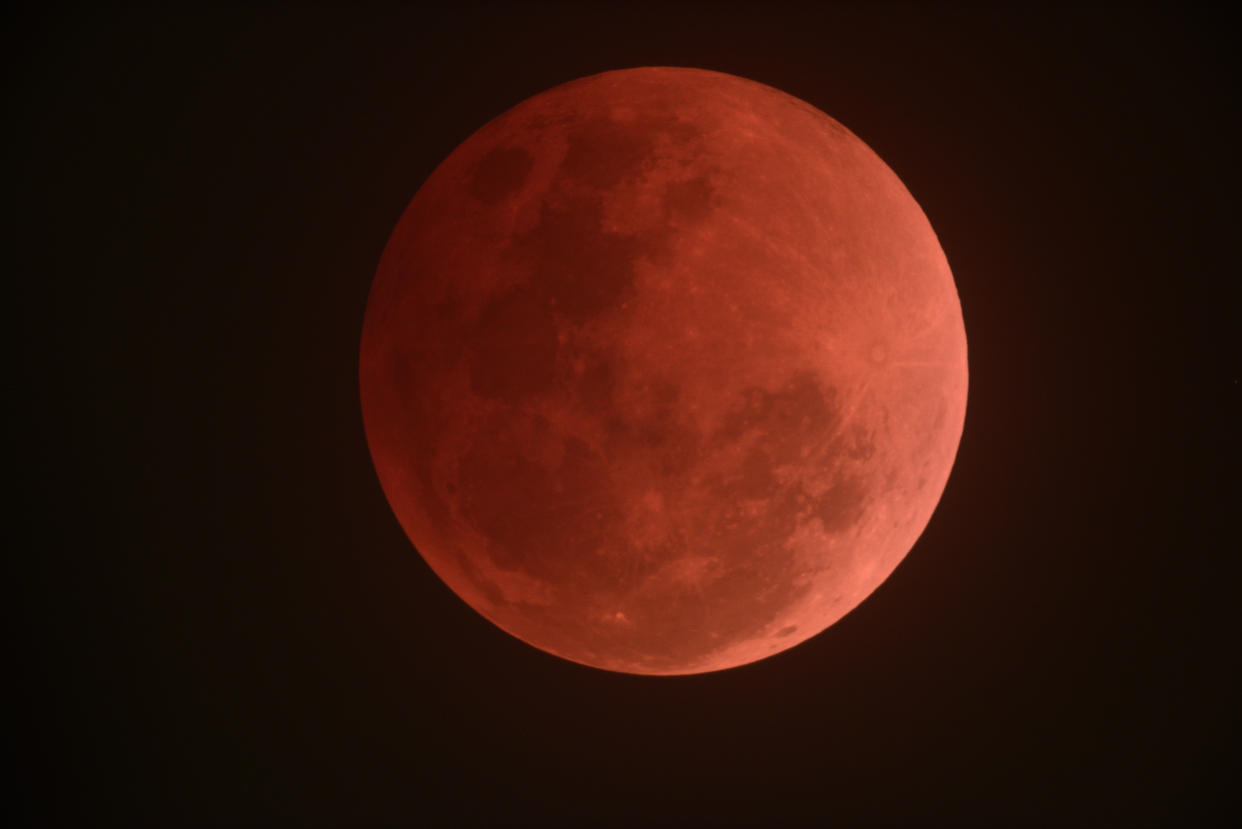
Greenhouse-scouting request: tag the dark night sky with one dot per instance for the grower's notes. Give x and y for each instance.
(218, 618)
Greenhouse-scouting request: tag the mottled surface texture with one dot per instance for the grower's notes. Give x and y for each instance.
(663, 371)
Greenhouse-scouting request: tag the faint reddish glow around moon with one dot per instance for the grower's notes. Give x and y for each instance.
(663, 371)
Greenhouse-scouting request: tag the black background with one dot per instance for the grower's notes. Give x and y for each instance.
(219, 619)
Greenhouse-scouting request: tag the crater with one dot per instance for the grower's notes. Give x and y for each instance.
(859, 443)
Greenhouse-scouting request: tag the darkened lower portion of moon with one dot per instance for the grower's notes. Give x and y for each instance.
(663, 371)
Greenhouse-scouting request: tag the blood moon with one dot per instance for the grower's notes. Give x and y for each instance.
(663, 371)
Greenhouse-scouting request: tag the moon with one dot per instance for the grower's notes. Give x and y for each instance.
(663, 371)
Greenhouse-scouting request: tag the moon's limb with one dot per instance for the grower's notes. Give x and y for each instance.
(663, 371)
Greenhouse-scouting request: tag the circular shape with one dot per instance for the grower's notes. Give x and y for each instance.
(663, 371)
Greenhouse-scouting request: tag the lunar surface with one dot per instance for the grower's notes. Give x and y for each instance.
(663, 371)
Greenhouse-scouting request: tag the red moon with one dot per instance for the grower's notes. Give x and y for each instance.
(663, 371)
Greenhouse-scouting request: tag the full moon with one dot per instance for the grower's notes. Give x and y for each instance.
(663, 371)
